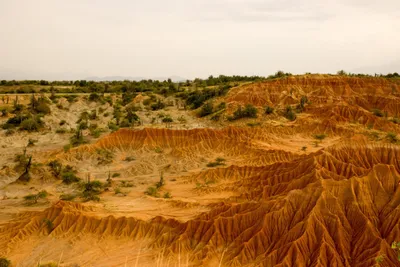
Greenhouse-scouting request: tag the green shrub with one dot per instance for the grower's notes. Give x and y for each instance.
(289, 113)
(94, 97)
(67, 197)
(377, 112)
(129, 158)
(69, 177)
(158, 105)
(91, 190)
(5, 262)
(112, 126)
(167, 120)
(248, 112)
(269, 110)
(217, 162)
(161, 182)
(49, 264)
(127, 184)
(9, 132)
(116, 174)
(392, 137)
(31, 124)
(34, 198)
(206, 109)
(147, 102)
(320, 137)
(61, 130)
(167, 195)
(152, 191)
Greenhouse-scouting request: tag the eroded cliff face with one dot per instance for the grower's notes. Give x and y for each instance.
(336, 204)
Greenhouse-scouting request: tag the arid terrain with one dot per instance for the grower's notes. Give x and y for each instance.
(292, 171)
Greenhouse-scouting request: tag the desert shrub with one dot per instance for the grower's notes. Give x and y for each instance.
(158, 105)
(129, 158)
(248, 112)
(77, 139)
(300, 106)
(15, 121)
(34, 198)
(158, 150)
(269, 110)
(392, 137)
(125, 124)
(167, 120)
(4, 112)
(96, 132)
(116, 174)
(93, 115)
(253, 124)
(289, 114)
(31, 124)
(152, 191)
(91, 190)
(221, 106)
(69, 177)
(49, 264)
(377, 112)
(206, 109)
(217, 162)
(395, 120)
(49, 224)
(147, 102)
(117, 191)
(127, 184)
(161, 182)
(71, 98)
(62, 122)
(67, 197)
(31, 142)
(196, 98)
(42, 107)
(61, 130)
(94, 97)
(167, 195)
(4, 262)
(104, 156)
(113, 127)
(320, 137)
(9, 132)
(182, 119)
(216, 117)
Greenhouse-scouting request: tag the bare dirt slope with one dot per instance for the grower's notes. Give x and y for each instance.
(278, 198)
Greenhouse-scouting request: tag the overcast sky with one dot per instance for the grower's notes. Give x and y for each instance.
(59, 39)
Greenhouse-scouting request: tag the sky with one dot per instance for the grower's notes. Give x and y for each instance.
(75, 39)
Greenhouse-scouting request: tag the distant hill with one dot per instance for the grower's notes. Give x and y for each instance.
(130, 78)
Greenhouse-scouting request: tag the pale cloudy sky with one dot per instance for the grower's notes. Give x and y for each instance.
(60, 39)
